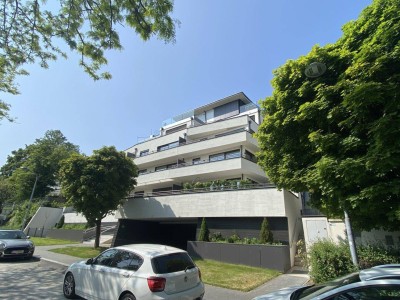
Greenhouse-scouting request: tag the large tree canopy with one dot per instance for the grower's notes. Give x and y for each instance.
(41, 159)
(95, 185)
(31, 31)
(337, 135)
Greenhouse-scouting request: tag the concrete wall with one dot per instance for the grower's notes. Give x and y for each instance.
(379, 237)
(238, 203)
(45, 217)
(78, 218)
(65, 234)
(262, 256)
(293, 213)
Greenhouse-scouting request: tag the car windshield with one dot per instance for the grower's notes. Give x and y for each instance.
(12, 234)
(315, 290)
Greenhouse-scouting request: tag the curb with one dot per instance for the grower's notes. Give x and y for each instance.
(53, 261)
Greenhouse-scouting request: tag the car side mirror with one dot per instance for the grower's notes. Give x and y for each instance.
(28, 236)
(89, 261)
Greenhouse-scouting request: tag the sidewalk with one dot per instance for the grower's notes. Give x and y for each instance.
(295, 276)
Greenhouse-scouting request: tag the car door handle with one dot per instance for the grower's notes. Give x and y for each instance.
(102, 270)
(126, 275)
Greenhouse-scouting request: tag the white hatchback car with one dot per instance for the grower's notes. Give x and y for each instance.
(137, 271)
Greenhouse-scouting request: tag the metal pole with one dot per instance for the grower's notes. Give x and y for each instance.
(352, 246)
(29, 204)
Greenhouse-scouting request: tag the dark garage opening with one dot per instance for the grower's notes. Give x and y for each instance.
(170, 233)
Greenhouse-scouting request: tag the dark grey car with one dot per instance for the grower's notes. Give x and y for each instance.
(380, 282)
(14, 243)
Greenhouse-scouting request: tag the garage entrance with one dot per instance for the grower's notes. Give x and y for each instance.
(165, 232)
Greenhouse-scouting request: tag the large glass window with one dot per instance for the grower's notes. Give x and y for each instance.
(168, 146)
(232, 154)
(225, 155)
(144, 152)
(217, 157)
(196, 161)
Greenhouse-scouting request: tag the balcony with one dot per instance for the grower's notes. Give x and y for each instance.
(198, 132)
(229, 167)
(260, 202)
(198, 147)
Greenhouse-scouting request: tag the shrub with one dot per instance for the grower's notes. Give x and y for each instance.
(204, 232)
(329, 260)
(302, 253)
(216, 237)
(265, 234)
(234, 238)
(370, 256)
(187, 186)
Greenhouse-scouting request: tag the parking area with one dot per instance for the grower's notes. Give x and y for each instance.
(30, 279)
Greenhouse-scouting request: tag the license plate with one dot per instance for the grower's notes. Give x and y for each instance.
(17, 251)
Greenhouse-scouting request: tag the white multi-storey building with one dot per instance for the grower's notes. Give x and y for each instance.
(202, 164)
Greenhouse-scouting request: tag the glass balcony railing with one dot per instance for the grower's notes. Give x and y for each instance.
(188, 164)
(247, 107)
(210, 189)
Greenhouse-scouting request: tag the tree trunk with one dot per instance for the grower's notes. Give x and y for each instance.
(97, 238)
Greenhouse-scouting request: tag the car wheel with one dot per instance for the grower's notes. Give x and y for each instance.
(69, 286)
(128, 296)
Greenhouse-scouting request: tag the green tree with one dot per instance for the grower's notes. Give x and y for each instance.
(204, 232)
(266, 235)
(31, 31)
(337, 135)
(95, 185)
(42, 159)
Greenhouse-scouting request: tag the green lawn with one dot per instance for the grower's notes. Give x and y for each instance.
(82, 252)
(237, 277)
(49, 241)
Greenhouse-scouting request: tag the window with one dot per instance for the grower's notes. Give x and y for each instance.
(142, 172)
(232, 154)
(144, 152)
(196, 161)
(217, 157)
(370, 292)
(226, 155)
(105, 258)
(167, 146)
(174, 262)
(127, 261)
(166, 167)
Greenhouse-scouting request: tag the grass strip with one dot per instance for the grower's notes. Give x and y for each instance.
(50, 241)
(231, 276)
(82, 252)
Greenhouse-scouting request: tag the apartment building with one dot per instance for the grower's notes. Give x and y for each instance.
(202, 164)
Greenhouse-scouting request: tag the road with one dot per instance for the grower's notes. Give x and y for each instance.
(41, 280)
(32, 279)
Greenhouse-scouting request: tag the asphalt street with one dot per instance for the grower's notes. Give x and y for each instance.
(41, 279)
(30, 279)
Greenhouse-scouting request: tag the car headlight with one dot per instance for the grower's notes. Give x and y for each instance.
(2, 246)
(31, 245)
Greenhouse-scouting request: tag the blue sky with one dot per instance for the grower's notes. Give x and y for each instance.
(222, 47)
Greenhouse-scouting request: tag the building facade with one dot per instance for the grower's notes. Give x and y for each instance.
(202, 164)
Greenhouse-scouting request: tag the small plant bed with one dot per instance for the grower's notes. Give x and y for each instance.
(235, 277)
(82, 252)
(50, 241)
